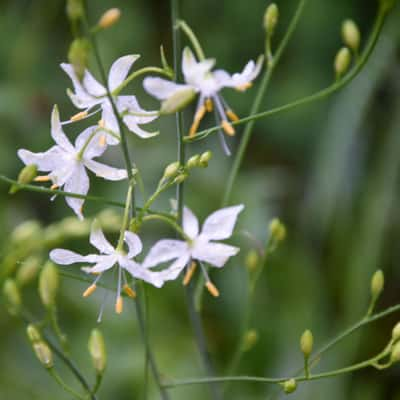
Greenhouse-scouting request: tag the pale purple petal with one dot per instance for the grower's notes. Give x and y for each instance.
(66, 257)
(105, 171)
(134, 244)
(165, 250)
(119, 70)
(216, 254)
(190, 223)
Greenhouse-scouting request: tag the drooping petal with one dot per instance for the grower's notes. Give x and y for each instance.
(161, 88)
(66, 257)
(90, 140)
(165, 250)
(216, 254)
(105, 171)
(134, 243)
(139, 272)
(119, 70)
(47, 161)
(190, 223)
(132, 125)
(219, 225)
(77, 183)
(173, 271)
(57, 132)
(129, 104)
(98, 240)
(103, 263)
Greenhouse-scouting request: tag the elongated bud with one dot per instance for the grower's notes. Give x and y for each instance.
(28, 271)
(307, 343)
(289, 386)
(26, 175)
(396, 332)
(252, 260)
(78, 55)
(97, 350)
(12, 296)
(171, 170)
(109, 18)
(271, 18)
(48, 284)
(395, 354)
(43, 354)
(377, 284)
(342, 61)
(177, 101)
(27, 232)
(277, 230)
(180, 178)
(193, 162)
(74, 9)
(33, 334)
(351, 34)
(204, 159)
(250, 339)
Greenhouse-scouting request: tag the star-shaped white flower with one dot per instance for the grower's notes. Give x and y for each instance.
(67, 163)
(198, 76)
(89, 93)
(200, 246)
(107, 258)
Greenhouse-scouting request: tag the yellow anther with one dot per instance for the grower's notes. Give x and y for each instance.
(79, 116)
(54, 187)
(189, 273)
(209, 105)
(228, 128)
(244, 87)
(101, 123)
(201, 112)
(212, 289)
(90, 290)
(232, 116)
(129, 291)
(119, 305)
(102, 140)
(42, 178)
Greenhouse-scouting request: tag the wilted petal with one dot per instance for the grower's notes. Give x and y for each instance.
(90, 139)
(161, 88)
(119, 70)
(104, 171)
(66, 257)
(165, 250)
(58, 134)
(134, 244)
(190, 223)
(216, 254)
(98, 240)
(219, 225)
(77, 183)
(47, 161)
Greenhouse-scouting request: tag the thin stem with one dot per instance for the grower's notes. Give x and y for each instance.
(68, 389)
(192, 38)
(170, 222)
(125, 220)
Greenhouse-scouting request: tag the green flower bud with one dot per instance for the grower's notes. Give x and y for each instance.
(252, 260)
(78, 55)
(75, 9)
(193, 161)
(171, 170)
(26, 175)
(177, 101)
(27, 232)
(109, 18)
(307, 343)
(396, 332)
(250, 339)
(395, 354)
(351, 34)
(33, 334)
(44, 354)
(289, 386)
(342, 61)
(271, 18)
(109, 219)
(12, 296)
(180, 178)
(277, 230)
(377, 284)
(97, 350)
(73, 227)
(48, 284)
(28, 270)
(205, 158)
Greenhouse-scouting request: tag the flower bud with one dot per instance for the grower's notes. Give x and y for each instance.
(250, 339)
(44, 354)
(271, 17)
(48, 284)
(351, 34)
(307, 343)
(193, 161)
(28, 270)
(277, 230)
(342, 61)
(252, 260)
(396, 332)
(180, 178)
(33, 334)
(109, 220)
(177, 101)
(377, 284)
(78, 55)
(26, 175)
(97, 350)
(12, 296)
(289, 386)
(171, 170)
(27, 232)
(205, 158)
(109, 18)
(395, 354)
(73, 227)
(75, 9)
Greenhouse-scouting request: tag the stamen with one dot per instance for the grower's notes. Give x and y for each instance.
(119, 305)
(129, 291)
(244, 87)
(102, 140)
(212, 289)
(90, 290)
(54, 187)
(42, 178)
(201, 112)
(232, 116)
(101, 123)
(189, 273)
(209, 105)
(228, 128)
(79, 116)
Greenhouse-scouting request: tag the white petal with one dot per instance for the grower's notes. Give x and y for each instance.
(249, 73)
(222, 78)
(58, 134)
(132, 125)
(47, 161)
(161, 88)
(173, 271)
(134, 243)
(190, 223)
(92, 86)
(106, 172)
(98, 240)
(219, 225)
(77, 183)
(194, 71)
(66, 257)
(119, 70)
(103, 263)
(140, 272)
(93, 148)
(129, 104)
(109, 119)
(216, 254)
(165, 250)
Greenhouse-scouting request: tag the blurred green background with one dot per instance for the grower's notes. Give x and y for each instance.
(329, 170)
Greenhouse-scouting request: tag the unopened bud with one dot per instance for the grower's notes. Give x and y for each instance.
(33, 334)
(250, 339)
(351, 34)
(205, 158)
(43, 353)
(180, 178)
(395, 354)
(396, 332)
(48, 284)
(177, 101)
(171, 170)
(28, 270)
(377, 284)
(342, 61)
(73, 227)
(97, 350)
(277, 230)
(252, 260)
(26, 175)
(27, 232)
(78, 55)
(289, 386)
(193, 161)
(271, 18)
(75, 9)
(12, 296)
(109, 18)
(307, 343)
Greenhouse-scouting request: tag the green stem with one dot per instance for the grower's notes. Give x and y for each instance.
(125, 220)
(99, 379)
(170, 222)
(68, 389)
(193, 39)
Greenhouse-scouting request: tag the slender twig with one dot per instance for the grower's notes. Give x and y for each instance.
(66, 387)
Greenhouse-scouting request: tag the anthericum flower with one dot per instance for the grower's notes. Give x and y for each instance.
(90, 93)
(198, 76)
(67, 163)
(106, 259)
(199, 246)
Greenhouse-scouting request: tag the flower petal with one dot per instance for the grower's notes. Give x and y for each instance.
(173, 271)
(47, 161)
(165, 250)
(66, 257)
(139, 272)
(134, 243)
(216, 254)
(219, 225)
(129, 104)
(161, 88)
(195, 71)
(190, 223)
(105, 171)
(98, 240)
(78, 182)
(90, 139)
(119, 70)
(57, 132)
(132, 125)
(103, 263)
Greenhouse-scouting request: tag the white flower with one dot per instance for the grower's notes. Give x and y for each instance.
(200, 246)
(108, 257)
(67, 163)
(89, 93)
(199, 77)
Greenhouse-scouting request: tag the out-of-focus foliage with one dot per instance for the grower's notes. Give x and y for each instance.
(330, 171)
